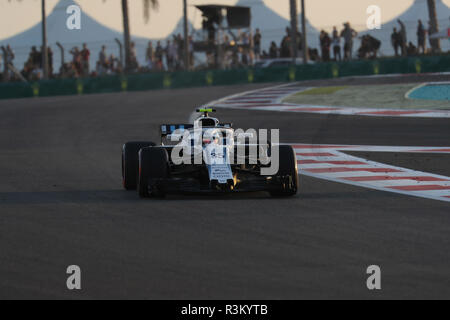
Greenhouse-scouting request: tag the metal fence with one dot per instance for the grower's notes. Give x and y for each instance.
(182, 79)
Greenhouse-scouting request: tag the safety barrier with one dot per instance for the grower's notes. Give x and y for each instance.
(174, 80)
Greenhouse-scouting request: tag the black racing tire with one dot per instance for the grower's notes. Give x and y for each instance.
(153, 167)
(288, 169)
(130, 162)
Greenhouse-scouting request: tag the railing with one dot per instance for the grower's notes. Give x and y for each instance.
(153, 81)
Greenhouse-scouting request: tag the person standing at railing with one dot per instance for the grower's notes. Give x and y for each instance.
(325, 43)
(102, 61)
(247, 51)
(336, 43)
(273, 51)
(159, 53)
(396, 41)
(421, 35)
(85, 56)
(285, 47)
(348, 34)
(133, 56)
(172, 54)
(150, 55)
(179, 41)
(35, 58)
(76, 61)
(257, 44)
(167, 53)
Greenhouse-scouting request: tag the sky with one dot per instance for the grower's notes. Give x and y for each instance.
(16, 17)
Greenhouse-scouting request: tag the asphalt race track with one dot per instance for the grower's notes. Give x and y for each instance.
(61, 204)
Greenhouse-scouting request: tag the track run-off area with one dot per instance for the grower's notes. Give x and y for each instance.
(373, 191)
(272, 99)
(332, 163)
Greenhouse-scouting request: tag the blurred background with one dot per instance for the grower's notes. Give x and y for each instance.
(158, 39)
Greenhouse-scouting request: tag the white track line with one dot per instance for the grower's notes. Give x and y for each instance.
(329, 162)
(407, 94)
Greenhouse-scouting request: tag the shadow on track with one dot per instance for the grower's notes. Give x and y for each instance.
(113, 196)
(120, 196)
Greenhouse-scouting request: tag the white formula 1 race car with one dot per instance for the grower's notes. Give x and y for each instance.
(208, 156)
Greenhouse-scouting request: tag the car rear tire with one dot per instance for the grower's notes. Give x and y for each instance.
(130, 162)
(153, 167)
(287, 173)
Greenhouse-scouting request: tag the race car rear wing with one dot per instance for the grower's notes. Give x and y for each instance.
(168, 129)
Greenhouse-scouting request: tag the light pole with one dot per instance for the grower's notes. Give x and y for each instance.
(294, 30)
(186, 36)
(120, 52)
(434, 27)
(126, 35)
(61, 48)
(304, 39)
(44, 49)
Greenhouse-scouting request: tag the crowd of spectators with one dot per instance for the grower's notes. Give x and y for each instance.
(237, 51)
(168, 57)
(399, 40)
(339, 45)
(241, 50)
